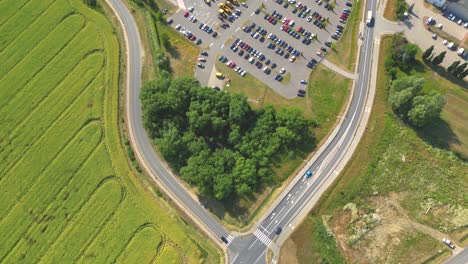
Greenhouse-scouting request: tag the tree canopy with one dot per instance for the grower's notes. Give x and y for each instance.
(215, 140)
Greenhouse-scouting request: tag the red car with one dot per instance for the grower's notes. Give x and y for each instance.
(271, 19)
(299, 29)
(192, 38)
(287, 21)
(285, 28)
(186, 14)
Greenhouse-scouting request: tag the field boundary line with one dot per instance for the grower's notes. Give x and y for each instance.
(41, 136)
(41, 173)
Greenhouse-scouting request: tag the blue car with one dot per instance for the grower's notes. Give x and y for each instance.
(308, 174)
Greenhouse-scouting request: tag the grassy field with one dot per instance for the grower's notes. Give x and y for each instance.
(68, 193)
(344, 52)
(400, 177)
(390, 10)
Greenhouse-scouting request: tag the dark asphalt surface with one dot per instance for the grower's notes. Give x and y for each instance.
(250, 249)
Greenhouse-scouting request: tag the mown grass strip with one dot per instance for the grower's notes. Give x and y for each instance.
(45, 187)
(87, 224)
(135, 253)
(21, 20)
(9, 7)
(28, 39)
(64, 209)
(39, 59)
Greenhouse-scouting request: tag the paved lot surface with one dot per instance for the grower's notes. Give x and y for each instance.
(415, 31)
(279, 56)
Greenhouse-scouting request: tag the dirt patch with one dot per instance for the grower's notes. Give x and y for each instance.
(378, 241)
(288, 252)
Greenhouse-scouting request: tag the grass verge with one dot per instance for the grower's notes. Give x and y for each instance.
(344, 52)
(390, 158)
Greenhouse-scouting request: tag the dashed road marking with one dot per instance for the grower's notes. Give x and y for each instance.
(222, 46)
(211, 44)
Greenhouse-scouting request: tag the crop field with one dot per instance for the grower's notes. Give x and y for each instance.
(67, 192)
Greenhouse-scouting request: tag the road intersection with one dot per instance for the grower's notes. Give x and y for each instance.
(301, 193)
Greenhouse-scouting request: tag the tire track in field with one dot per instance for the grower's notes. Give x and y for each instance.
(30, 11)
(83, 146)
(9, 199)
(4, 4)
(46, 108)
(21, 129)
(33, 35)
(54, 252)
(20, 77)
(51, 229)
(135, 234)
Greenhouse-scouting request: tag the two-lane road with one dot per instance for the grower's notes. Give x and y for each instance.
(249, 249)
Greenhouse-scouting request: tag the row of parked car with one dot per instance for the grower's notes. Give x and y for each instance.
(231, 64)
(208, 30)
(188, 34)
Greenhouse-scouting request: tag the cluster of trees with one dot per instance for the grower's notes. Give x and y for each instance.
(456, 69)
(410, 105)
(215, 140)
(403, 55)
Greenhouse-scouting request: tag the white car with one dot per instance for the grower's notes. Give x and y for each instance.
(309, 18)
(448, 243)
(190, 9)
(434, 36)
(201, 59)
(282, 71)
(445, 42)
(303, 82)
(177, 27)
(440, 26)
(459, 22)
(292, 59)
(465, 25)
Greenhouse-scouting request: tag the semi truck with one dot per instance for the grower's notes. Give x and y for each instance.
(369, 18)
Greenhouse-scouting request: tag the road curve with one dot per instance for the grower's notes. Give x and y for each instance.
(252, 248)
(140, 142)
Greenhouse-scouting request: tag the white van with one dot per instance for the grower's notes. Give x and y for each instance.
(461, 52)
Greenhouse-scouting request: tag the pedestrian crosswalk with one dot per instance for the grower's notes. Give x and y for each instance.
(229, 239)
(262, 237)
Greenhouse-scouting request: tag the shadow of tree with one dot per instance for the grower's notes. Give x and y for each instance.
(444, 74)
(439, 134)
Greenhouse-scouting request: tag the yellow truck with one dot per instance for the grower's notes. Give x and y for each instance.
(224, 7)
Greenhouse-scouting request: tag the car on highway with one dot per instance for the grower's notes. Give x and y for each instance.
(224, 240)
(308, 174)
(200, 65)
(278, 230)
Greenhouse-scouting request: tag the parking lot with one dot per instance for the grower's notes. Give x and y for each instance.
(268, 39)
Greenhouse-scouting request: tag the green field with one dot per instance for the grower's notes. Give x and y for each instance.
(395, 166)
(68, 193)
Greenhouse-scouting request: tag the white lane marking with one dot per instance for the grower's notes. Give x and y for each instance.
(262, 237)
(237, 29)
(229, 239)
(368, 109)
(211, 44)
(252, 14)
(222, 46)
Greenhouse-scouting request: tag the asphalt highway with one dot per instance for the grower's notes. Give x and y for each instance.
(249, 249)
(140, 140)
